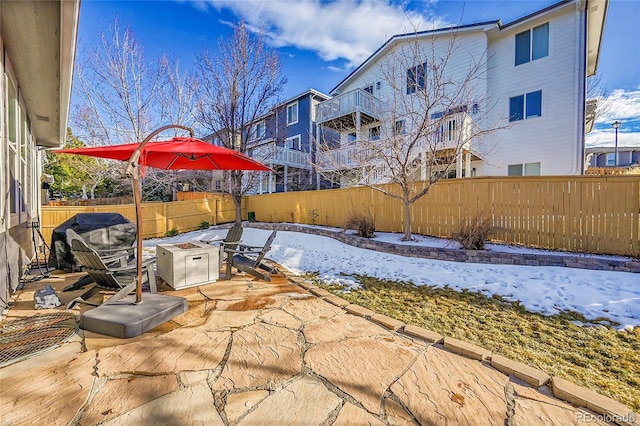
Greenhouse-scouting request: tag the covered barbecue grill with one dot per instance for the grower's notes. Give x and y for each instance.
(100, 231)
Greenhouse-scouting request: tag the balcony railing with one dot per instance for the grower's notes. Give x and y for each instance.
(344, 106)
(454, 133)
(347, 157)
(277, 155)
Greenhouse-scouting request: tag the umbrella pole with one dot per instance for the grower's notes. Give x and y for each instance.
(133, 170)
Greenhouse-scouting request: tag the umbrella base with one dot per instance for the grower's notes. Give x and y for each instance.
(124, 319)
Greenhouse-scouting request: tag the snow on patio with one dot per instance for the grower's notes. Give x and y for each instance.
(544, 289)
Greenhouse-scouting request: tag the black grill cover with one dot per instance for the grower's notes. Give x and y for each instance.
(99, 230)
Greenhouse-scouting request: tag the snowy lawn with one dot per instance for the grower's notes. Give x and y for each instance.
(544, 289)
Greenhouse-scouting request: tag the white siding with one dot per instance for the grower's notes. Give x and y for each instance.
(551, 139)
(469, 47)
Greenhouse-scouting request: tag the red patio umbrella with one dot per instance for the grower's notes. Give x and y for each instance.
(179, 153)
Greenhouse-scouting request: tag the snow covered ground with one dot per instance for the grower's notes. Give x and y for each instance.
(544, 289)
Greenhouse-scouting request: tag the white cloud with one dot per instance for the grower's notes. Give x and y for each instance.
(342, 29)
(621, 105)
(624, 106)
(607, 137)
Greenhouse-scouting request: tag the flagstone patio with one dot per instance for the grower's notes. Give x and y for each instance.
(254, 353)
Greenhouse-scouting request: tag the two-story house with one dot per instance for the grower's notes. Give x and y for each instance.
(526, 95)
(38, 44)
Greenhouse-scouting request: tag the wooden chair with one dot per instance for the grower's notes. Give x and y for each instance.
(112, 276)
(249, 259)
(230, 241)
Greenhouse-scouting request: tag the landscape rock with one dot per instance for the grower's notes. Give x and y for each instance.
(351, 415)
(442, 387)
(192, 405)
(304, 401)
(184, 349)
(311, 309)
(117, 397)
(249, 366)
(239, 403)
(364, 367)
(341, 327)
(58, 391)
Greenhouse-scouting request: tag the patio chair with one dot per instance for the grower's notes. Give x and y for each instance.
(230, 241)
(112, 276)
(120, 256)
(249, 259)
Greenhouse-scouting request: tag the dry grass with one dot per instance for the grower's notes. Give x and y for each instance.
(598, 358)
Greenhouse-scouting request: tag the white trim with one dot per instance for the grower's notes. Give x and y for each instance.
(297, 105)
(289, 141)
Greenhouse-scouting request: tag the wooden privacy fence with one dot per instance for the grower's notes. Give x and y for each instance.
(572, 213)
(157, 217)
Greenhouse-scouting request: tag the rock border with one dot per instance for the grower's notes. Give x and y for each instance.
(607, 409)
(461, 255)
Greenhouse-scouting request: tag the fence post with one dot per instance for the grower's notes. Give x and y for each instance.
(166, 218)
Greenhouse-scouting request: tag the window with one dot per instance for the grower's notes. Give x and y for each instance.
(374, 133)
(257, 131)
(525, 106)
(451, 130)
(399, 128)
(532, 44)
(611, 159)
(369, 89)
(261, 130)
(12, 111)
(416, 78)
(515, 170)
(293, 143)
(292, 114)
(534, 104)
(527, 169)
(351, 137)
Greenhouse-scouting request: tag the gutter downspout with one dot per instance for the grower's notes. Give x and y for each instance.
(581, 88)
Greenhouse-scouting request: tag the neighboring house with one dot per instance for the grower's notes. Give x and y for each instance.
(533, 82)
(605, 156)
(283, 139)
(38, 43)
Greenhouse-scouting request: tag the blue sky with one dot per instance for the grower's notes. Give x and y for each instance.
(322, 41)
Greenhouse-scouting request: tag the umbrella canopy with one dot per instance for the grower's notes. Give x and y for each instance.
(179, 153)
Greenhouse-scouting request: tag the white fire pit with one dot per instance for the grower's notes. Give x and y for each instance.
(187, 264)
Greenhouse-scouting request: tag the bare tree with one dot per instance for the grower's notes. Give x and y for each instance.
(429, 118)
(124, 96)
(117, 87)
(237, 86)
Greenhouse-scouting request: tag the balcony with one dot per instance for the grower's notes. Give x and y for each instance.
(340, 112)
(277, 155)
(453, 135)
(347, 157)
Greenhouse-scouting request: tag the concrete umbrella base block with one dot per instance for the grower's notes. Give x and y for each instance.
(124, 319)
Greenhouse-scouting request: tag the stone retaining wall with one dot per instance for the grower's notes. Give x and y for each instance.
(461, 255)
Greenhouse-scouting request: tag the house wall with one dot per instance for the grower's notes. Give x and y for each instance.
(555, 139)
(626, 157)
(20, 167)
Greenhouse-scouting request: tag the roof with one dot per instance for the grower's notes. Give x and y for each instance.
(40, 38)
